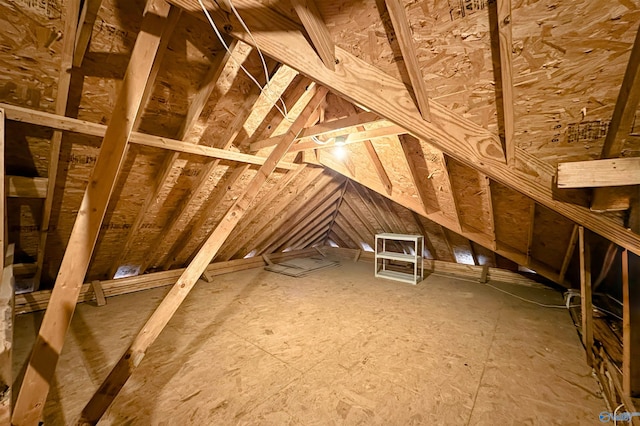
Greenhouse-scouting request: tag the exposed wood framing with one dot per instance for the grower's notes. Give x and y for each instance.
(170, 26)
(321, 214)
(363, 84)
(132, 357)
(585, 295)
(378, 166)
(631, 331)
(7, 291)
(6, 299)
(72, 8)
(352, 213)
(266, 219)
(407, 144)
(39, 300)
(473, 253)
(207, 85)
(449, 246)
(485, 183)
(355, 137)
(348, 229)
(477, 237)
(206, 173)
(40, 118)
(48, 345)
(88, 17)
(341, 125)
(569, 253)
(312, 20)
(619, 129)
(501, 46)
(454, 200)
(261, 210)
(374, 208)
(270, 234)
(402, 29)
(360, 216)
(532, 221)
(25, 187)
(309, 233)
(3, 203)
(99, 293)
(598, 173)
(427, 239)
(196, 223)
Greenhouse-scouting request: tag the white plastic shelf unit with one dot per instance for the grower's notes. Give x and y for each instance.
(384, 256)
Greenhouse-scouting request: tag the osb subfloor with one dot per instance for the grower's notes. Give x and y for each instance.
(337, 347)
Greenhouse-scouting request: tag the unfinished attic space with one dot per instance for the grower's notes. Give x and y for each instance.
(306, 212)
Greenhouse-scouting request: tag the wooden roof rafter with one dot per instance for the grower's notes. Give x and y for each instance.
(376, 91)
(501, 48)
(619, 129)
(326, 194)
(341, 125)
(207, 173)
(64, 83)
(88, 16)
(473, 235)
(123, 369)
(427, 238)
(265, 218)
(55, 324)
(39, 118)
(309, 14)
(402, 31)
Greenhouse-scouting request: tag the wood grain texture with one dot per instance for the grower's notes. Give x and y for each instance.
(500, 21)
(402, 30)
(26, 115)
(312, 20)
(361, 83)
(64, 82)
(623, 117)
(599, 173)
(121, 372)
(88, 17)
(48, 346)
(585, 295)
(630, 328)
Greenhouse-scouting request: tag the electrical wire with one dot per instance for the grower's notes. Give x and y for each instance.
(510, 294)
(266, 89)
(567, 306)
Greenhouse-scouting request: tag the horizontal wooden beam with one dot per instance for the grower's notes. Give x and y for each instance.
(598, 173)
(38, 300)
(342, 124)
(26, 187)
(39, 118)
(360, 136)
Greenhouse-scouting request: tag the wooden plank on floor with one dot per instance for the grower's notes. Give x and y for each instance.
(109, 389)
(55, 324)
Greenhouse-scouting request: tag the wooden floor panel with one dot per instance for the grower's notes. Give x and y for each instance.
(335, 347)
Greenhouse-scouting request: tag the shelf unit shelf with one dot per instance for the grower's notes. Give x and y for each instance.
(383, 255)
